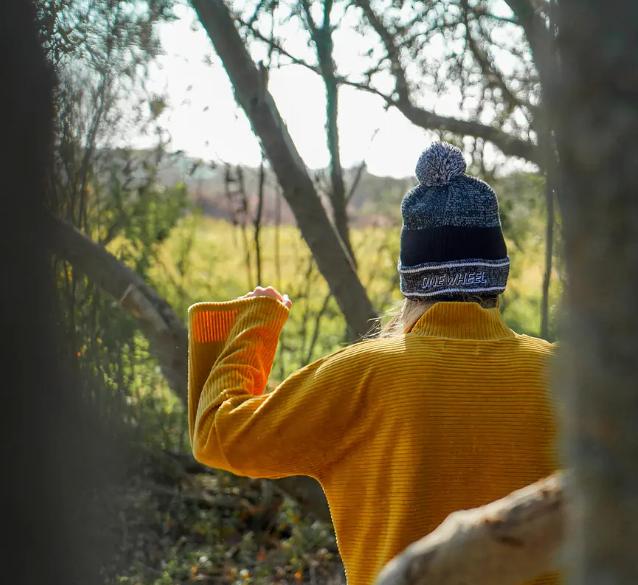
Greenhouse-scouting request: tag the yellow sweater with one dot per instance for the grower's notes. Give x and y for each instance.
(399, 432)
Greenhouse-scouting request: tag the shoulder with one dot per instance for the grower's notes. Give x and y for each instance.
(537, 345)
(371, 353)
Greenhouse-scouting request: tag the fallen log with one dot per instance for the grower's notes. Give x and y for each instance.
(506, 542)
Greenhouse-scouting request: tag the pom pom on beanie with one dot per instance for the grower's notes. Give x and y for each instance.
(439, 164)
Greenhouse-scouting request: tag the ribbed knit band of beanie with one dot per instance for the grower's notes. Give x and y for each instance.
(452, 243)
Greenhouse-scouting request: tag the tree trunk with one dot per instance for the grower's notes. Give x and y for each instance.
(338, 192)
(322, 38)
(327, 248)
(55, 457)
(507, 542)
(596, 124)
(549, 251)
(258, 220)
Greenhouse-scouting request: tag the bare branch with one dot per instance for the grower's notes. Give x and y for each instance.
(389, 43)
(369, 89)
(507, 143)
(490, 73)
(273, 44)
(506, 542)
(332, 258)
(510, 145)
(538, 37)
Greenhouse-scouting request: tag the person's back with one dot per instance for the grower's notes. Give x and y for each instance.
(448, 409)
(457, 416)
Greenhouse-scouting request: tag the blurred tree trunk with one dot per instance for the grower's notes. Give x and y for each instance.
(250, 84)
(52, 449)
(596, 124)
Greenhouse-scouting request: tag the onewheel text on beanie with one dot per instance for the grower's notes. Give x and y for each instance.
(455, 280)
(450, 279)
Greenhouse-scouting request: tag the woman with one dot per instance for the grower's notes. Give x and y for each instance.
(447, 409)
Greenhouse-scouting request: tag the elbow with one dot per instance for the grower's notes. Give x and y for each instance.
(202, 447)
(209, 451)
(222, 443)
(216, 457)
(198, 453)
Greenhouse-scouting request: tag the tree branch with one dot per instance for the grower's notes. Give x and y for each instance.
(322, 39)
(164, 330)
(273, 44)
(538, 37)
(506, 542)
(327, 248)
(157, 320)
(490, 73)
(393, 53)
(508, 144)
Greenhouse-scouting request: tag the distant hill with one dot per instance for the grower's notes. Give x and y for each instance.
(231, 193)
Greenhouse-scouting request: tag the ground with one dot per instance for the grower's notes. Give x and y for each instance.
(179, 522)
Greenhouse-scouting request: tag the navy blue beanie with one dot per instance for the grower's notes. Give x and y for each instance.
(452, 244)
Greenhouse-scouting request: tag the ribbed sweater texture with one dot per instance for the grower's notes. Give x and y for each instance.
(400, 432)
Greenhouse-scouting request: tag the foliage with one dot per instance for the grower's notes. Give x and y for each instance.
(523, 212)
(213, 526)
(108, 345)
(101, 34)
(101, 50)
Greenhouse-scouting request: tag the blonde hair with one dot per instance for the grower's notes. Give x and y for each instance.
(402, 317)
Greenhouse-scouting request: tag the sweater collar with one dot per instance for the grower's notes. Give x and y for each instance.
(462, 321)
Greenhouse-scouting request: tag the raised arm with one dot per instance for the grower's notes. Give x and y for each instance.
(299, 428)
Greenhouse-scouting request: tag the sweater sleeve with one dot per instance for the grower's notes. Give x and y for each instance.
(299, 428)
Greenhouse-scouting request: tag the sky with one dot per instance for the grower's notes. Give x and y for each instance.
(204, 120)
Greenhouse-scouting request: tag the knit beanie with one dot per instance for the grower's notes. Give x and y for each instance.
(452, 243)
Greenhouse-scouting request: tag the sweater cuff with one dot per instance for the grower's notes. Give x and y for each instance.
(213, 322)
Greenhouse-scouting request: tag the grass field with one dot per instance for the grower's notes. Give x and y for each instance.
(205, 259)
